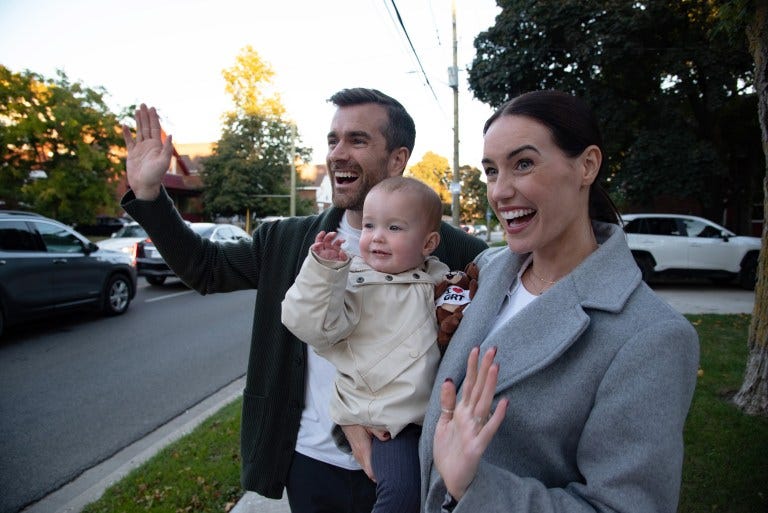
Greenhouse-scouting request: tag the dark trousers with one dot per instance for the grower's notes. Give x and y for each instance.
(396, 467)
(317, 487)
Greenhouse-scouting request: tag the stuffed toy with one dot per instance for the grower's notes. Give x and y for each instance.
(452, 295)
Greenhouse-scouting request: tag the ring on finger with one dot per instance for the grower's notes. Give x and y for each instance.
(446, 410)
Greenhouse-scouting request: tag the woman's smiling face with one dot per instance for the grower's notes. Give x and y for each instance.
(537, 192)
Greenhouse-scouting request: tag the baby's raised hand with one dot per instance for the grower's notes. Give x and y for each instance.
(328, 247)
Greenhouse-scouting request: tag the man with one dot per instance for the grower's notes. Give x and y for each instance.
(286, 437)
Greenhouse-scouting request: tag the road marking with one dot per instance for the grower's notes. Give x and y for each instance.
(168, 296)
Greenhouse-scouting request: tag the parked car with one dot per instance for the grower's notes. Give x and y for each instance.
(151, 265)
(104, 226)
(671, 244)
(480, 230)
(124, 239)
(47, 267)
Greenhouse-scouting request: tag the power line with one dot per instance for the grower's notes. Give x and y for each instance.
(418, 60)
(434, 23)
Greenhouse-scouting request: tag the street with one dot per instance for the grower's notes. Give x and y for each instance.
(79, 388)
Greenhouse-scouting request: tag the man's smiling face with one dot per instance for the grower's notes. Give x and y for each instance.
(358, 157)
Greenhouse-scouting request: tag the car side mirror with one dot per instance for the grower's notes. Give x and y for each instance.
(90, 248)
(725, 236)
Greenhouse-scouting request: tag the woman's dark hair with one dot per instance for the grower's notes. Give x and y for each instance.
(401, 130)
(574, 127)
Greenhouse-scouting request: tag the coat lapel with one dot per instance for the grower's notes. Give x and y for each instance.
(538, 334)
(544, 329)
(530, 340)
(495, 279)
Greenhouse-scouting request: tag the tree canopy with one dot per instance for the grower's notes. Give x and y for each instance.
(59, 147)
(435, 171)
(250, 165)
(474, 201)
(674, 95)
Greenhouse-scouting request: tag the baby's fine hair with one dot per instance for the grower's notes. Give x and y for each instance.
(429, 199)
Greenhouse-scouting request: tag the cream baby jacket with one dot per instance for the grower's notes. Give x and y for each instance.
(379, 330)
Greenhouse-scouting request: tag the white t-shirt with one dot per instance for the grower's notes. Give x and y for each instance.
(517, 298)
(314, 438)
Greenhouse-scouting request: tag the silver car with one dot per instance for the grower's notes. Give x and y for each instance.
(151, 265)
(124, 238)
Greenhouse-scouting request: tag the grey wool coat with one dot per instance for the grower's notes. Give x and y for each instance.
(599, 373)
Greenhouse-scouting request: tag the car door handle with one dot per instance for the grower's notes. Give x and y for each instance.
(59, 260)
(2, 262)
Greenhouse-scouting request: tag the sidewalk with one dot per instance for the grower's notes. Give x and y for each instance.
(254, 503)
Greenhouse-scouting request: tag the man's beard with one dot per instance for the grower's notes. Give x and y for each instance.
(352, 201)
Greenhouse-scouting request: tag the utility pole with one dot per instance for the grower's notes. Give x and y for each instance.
(453, 82)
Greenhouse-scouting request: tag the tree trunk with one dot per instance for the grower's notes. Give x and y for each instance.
(753, 396)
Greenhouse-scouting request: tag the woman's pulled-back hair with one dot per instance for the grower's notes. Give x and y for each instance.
(574, 127)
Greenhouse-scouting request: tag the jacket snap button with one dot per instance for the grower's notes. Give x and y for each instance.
(360, 279)
(388, 278)
(416, 276)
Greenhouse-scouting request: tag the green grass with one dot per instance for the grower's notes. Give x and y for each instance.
(726, 459)
(198, 473)
(725, 469)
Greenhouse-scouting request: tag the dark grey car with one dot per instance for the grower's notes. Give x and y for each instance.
(47, 267)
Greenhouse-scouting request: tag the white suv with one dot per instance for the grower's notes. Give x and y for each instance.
(690, 245)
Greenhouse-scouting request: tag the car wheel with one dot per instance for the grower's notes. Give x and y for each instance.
(155, 280)
(748, 274)
(645, 264)
(117, 295)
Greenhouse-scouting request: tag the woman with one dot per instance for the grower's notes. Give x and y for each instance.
(583, 407)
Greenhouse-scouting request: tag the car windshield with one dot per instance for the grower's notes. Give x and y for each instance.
(131, 230)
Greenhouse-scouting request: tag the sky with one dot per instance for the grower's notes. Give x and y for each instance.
(170, 54)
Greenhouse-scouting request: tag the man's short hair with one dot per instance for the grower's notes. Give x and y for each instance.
(401, 130)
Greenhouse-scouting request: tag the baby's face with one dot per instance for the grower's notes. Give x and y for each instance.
(394, 235)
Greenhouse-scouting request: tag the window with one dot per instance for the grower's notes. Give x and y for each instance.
(699, 229)
(16, 236)
(635, 226)
(656, 226)
(58, 239)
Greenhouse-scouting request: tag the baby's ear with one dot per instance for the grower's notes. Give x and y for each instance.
(431, 242)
